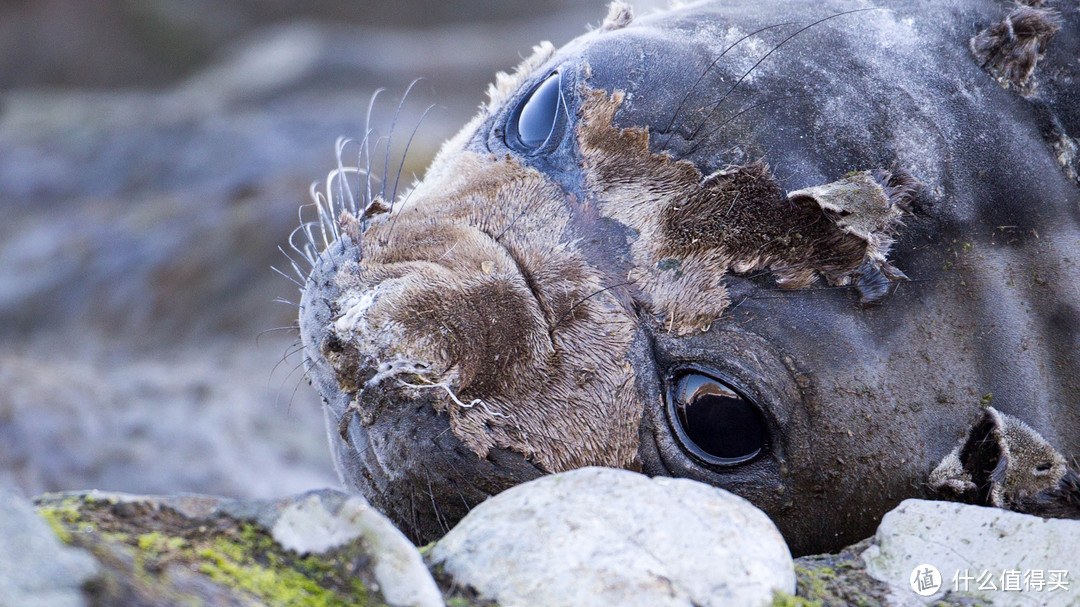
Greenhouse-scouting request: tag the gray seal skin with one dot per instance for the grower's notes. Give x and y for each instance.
(859, 229)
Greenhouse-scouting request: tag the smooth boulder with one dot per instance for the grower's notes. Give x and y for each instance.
(598, 536)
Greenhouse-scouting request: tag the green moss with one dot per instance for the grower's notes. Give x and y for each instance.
(227, 563)
(783, 599)
(65, 518)
(314, 565)
(837, 579)
(156, 543)
(143, 543)
(254, 537)
(814, 582)
(56, 518)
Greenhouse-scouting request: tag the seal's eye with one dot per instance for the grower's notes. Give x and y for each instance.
(533, 123)
(714, 422)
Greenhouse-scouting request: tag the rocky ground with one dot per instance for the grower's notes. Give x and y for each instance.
(591, 537)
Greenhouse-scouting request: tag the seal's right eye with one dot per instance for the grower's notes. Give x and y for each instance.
(534, 121)
(714, 422)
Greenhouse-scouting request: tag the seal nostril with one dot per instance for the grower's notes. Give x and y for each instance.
(332, 343)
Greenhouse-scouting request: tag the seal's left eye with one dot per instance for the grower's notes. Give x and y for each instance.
(533, 123)
(714, 422)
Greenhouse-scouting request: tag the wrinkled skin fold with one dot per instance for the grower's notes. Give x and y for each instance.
(866, 224)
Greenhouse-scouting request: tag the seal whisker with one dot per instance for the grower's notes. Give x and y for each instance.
(309, 250)
(667, 130)
(443, 523)
(415, 522)
(363, 199)
(291, 350)
(390, 135)
(445, 386)
(405, 153)
(457, 473)
(288, 278)
(299, 381)
(345, 194)
(273, 329)
(584, 299)
(286, 301)
(524, 211)
(306, 227)
(367, 143)
(296, 268)
(301, 253)
(312, 247)
(734, 116)
(742, 78)
(324, 217)
(305, 253)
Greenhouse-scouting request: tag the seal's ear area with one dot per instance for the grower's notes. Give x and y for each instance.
(1011, 48)
(1003, 462)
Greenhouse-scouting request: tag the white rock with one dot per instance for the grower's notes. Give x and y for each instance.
(35, 568)
(961, 540)
(308, 526)
(599, 536)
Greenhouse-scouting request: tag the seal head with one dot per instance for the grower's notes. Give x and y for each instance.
(682, 245)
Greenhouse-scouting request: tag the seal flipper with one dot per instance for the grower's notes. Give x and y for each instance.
(1004, 463)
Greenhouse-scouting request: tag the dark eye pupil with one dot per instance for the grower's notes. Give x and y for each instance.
(536, 119)
(716, 423)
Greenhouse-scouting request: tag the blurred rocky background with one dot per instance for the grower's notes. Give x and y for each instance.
(153, 154)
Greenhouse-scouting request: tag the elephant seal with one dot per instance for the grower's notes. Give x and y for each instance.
(794, 250)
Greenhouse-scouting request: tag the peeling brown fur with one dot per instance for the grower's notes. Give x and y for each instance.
(693, 230)
(1011, 48)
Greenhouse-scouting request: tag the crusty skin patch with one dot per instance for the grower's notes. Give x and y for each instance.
(479, 297)
(692, 229)
(1011, 48)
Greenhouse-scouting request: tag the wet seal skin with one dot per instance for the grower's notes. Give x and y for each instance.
(827, 262)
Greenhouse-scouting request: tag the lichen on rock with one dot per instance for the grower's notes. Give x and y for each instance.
(202, 550)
